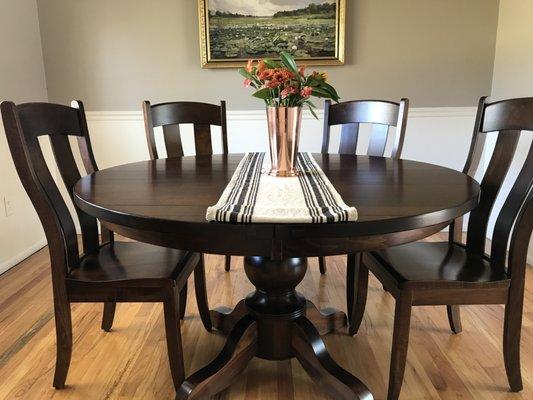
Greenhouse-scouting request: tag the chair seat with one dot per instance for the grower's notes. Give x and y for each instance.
(131, 261)
(441, 262)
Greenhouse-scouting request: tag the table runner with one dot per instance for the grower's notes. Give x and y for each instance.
(254, 196)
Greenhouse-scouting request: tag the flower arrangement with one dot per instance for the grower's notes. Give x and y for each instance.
(284, 84)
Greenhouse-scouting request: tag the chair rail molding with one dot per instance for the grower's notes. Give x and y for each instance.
(259, 115)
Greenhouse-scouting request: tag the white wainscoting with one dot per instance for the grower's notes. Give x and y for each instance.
(437, 135)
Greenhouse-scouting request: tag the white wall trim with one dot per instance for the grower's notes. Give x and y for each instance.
(10, 263)
(253, 115)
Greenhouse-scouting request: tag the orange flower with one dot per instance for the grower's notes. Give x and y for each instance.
(261, 66)
(249, 66)
(266, 74)
(322, 76)
(301, 70)
(306, 92)
(278, 76)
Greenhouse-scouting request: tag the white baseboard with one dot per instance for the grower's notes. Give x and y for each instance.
(10, 263)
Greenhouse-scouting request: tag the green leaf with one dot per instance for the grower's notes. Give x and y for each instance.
(246, 74)
(312, 110)
(319, 92)
(288, 61)
(271, 63)
(263, 94)
(332, 90)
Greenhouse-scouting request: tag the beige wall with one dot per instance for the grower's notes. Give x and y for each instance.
(513, 70)
(21, 79)
(113, 54)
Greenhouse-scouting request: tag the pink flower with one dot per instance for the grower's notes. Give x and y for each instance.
(272, 84)
(247, 82)
(306, 92)
(301, 70)
(287, 92)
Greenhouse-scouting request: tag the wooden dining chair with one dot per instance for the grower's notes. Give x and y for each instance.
(106, 272)
(452, 273)
(381, 115)
(169, 116)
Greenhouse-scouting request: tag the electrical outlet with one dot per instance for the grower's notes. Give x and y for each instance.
(8, 207)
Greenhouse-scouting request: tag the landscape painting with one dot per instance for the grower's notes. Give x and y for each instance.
(233, 31)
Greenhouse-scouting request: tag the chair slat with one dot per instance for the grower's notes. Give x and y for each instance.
(490, 186)
(349, 138)
(70, 174)
(172, 136)
(510, 209)
(55, 203)
(378, 140)
(202, 139)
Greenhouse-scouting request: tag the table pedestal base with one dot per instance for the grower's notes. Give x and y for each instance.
(275, 323)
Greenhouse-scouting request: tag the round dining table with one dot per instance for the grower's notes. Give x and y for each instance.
(164, 202)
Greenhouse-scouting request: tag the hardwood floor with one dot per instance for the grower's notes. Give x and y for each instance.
(131, 360)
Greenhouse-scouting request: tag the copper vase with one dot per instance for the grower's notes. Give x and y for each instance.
(284, 136)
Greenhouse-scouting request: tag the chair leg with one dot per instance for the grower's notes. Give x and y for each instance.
(454, 318)
(356, 291)
(173, 335)
(322, 265)
(183, 300)
(400, 343)
(200, 290)
(108, 315)
(63, 321)
(227, 266)
(511, 338)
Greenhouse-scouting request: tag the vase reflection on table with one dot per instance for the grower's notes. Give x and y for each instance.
(285, 89)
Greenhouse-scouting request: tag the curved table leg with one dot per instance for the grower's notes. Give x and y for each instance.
(327, 320)
(239, 349)
(311, 352)
(274, 322)
(224, 319)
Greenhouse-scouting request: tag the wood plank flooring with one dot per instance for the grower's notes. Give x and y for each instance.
(130, 362)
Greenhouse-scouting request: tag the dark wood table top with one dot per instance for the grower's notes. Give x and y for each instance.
(171, 196)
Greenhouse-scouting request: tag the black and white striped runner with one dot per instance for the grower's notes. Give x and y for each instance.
(253, 196)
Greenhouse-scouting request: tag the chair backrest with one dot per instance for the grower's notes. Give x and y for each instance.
(170, 115)
(24, 124)
(515, 220)
(381, 114)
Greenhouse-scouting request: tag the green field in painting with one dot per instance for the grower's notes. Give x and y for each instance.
(254, 37)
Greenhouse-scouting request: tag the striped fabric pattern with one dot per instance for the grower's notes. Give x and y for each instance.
(254, 196)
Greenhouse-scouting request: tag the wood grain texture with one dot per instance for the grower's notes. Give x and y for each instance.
(130, 362)
(164, 201)
(108, 272)
(451, 274)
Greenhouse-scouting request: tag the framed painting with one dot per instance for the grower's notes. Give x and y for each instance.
(233, 31)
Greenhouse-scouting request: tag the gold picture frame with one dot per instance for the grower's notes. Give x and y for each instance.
(208, 61)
